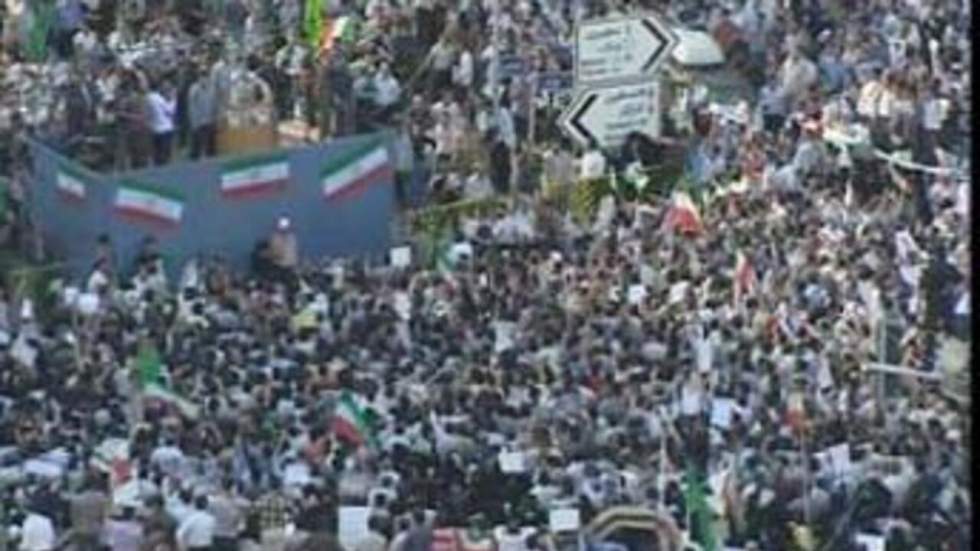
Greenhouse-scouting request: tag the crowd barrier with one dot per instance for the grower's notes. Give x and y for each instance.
(193, 215)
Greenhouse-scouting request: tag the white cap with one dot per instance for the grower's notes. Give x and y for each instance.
(283, 223)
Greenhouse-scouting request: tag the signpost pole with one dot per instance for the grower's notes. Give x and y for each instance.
(533, 115)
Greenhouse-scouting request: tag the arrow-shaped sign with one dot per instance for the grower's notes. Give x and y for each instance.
(621, 49)
(608, 115)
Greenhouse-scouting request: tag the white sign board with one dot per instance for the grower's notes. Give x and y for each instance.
(352, 525)
(564, 520)
(621, 49)
(512, 462)
(609, 115)
(401, 257)
(871, 542)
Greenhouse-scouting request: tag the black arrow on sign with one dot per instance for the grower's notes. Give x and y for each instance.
(575, 120)
(660, 49)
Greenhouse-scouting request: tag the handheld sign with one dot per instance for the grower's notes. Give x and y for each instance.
(512, 66)
(609, 115)
(554, 83)
(621, 49)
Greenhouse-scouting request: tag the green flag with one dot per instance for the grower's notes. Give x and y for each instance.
(700, 513)
(148, 365)
(344, 30)
(150, 370)
(354, 423)
(42, 20)
(313, 23)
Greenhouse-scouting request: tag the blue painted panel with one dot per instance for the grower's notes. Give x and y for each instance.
(213, 224)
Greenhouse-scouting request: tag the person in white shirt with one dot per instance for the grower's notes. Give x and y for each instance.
(512, 537)
(178, 506)
(162, 107)
(463, 71)
(196, 533)
(387, 90)
(373, 540)
(37, 533)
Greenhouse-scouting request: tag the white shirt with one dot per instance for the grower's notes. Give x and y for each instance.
(161, 113)
(464, 70)
(933, 114)
(37, 533)
(196, 531)
(507, 541)
(963, 306)
(178, 510)
(387, 90)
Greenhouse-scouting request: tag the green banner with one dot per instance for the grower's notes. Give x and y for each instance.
(42, 20)
(313, 23)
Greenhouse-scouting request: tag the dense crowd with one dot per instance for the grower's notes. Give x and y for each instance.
(613, 356)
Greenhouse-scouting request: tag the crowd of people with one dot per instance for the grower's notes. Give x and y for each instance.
(551, 362)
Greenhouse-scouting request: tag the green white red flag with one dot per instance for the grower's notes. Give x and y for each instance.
(352, 422)
(71, 184)
(149, 204)
(255, 176)
(350, 174)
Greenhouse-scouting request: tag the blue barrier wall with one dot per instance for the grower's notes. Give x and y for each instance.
(212, 224)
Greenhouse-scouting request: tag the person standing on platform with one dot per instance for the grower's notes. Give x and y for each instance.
(285, 251)
(163, 107)
(203, 111)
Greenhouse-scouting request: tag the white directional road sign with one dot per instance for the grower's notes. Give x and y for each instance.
(609, 115)
(621, 49)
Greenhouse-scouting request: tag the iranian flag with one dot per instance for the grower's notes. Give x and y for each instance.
(157, 392)
(350, 174)
(149, 204)
(352, 422)
(683, 215)
(149, 369)
(71, 184)
(251, 177)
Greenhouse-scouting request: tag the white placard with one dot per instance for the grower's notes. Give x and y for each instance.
(637, 294)
(721, 412)
(690, 401)
(402, 305)
(503, 335)
(647, 276)
(27, 310)
(512, 462)
(43, 469)
(296, 475)
(678, 291)
(460, 250)
(401, 257)
(870, 542)
(88, 303)
(352, 525)
(564, 520)
(839, 458)
(70, 296)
